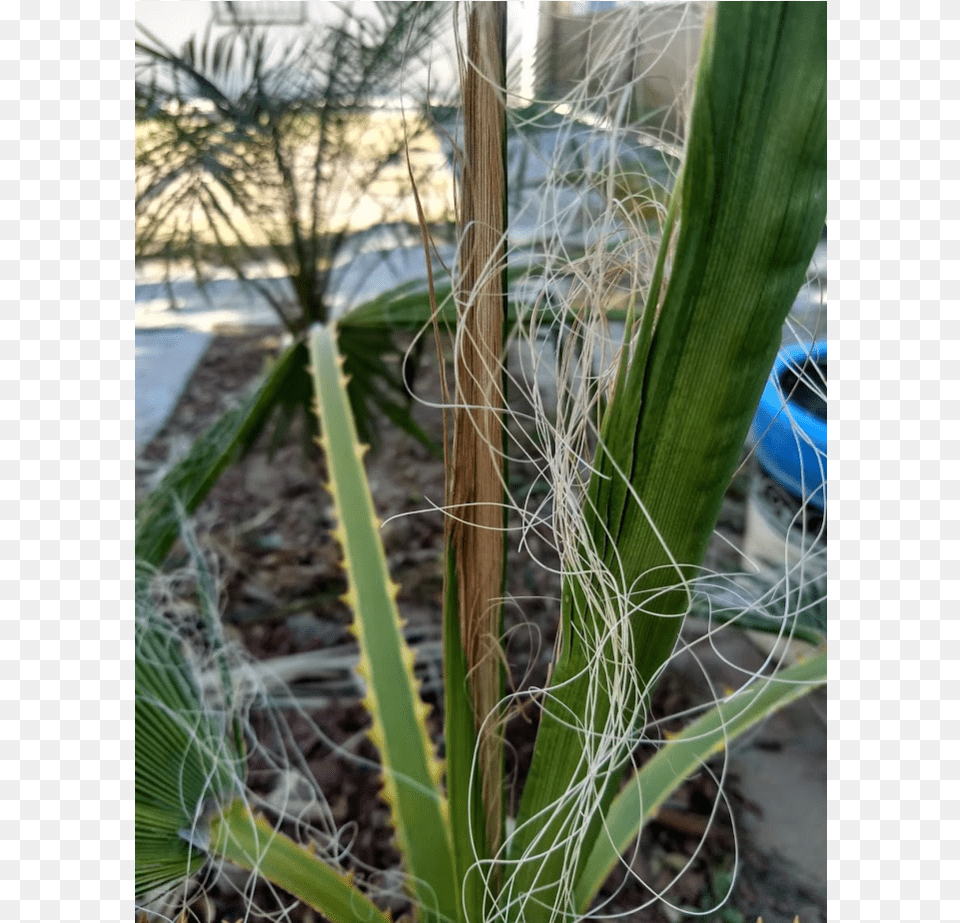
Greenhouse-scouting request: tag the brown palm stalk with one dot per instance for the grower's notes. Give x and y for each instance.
(476, 490)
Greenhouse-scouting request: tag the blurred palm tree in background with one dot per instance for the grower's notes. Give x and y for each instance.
(252, 148)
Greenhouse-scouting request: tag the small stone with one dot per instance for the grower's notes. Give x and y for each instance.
(306, 629)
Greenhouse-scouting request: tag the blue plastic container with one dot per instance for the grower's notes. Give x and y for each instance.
(789, 430)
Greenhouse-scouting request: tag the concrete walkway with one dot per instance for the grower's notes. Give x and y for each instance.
(165, 360)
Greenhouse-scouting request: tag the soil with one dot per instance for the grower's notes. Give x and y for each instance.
(267, 525)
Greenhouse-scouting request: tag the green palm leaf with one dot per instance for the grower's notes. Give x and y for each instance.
(188, 762)
(680, 757)
(411, 771)
(752, 202)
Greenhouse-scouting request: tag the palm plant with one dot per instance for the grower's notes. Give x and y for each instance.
(250, 148)
(632, 527)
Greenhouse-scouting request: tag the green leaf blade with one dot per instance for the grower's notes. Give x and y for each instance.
(751, 208)
(411, 771)
(184, 761)
(680, 757)
(253, 844)
(157, 522)
(468, 824)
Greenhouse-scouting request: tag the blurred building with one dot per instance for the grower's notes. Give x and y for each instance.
(654, 50)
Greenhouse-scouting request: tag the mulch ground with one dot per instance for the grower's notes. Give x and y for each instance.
(267, 524)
